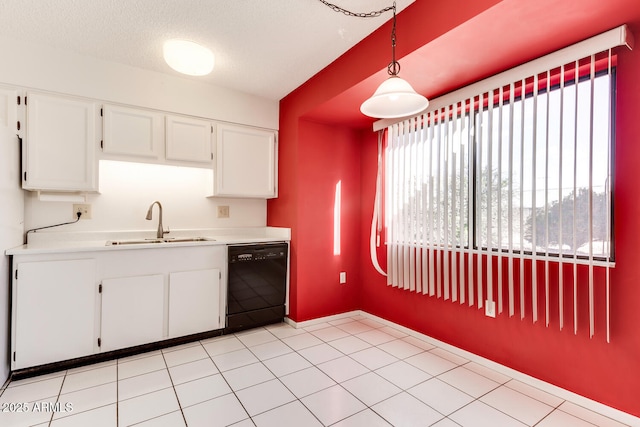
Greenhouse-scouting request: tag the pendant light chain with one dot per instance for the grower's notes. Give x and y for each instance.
(394, 66)
(395, 97)
(372, 14)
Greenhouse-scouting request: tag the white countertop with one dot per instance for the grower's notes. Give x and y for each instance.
(61, 242)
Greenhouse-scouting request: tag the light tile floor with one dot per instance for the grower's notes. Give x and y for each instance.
(349, 372)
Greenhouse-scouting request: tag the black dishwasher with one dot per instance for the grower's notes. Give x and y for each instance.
(257, 285)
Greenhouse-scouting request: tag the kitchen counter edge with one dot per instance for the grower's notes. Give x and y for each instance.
(66, 245)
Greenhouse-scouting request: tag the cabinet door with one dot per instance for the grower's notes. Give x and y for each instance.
(60, 144)
(194, 302)
(132, 311)
(132, 132)
(246, 162)
(54, 311)
(188, 139)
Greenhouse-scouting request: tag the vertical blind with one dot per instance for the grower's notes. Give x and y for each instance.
(505, 194)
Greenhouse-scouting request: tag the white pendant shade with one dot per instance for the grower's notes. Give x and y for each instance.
(188, 57)
(394, 98)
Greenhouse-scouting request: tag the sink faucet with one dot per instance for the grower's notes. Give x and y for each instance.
(161, 232)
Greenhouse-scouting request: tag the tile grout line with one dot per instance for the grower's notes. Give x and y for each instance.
(350, 334)
(476, 399)
(275, 377)
(580, 418)
(553, 408)
(422, 382)
(465, 364)
(284, 385)
(288, 389)
(340, 384)
(549, 414)
(117, 392)
(173, 386)
(58, 397)
(402, 390)
(534, 398)
(225, 380)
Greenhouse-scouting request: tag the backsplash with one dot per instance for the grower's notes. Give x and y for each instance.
(128, 189)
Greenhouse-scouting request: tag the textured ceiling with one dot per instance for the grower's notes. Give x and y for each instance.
(262, 47)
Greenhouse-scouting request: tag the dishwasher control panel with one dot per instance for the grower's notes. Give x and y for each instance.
(257, 252)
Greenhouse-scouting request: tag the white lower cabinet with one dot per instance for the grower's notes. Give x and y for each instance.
(64, 307)
(132, 311)
(53, 311)
(194, 302)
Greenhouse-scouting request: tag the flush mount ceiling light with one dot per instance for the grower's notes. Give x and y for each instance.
(187, 57)
(394, 97)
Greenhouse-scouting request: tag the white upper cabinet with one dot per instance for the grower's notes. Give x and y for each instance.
(132, 132)
(59, 151)
(65, 137)
(188, 139)
(246, 162)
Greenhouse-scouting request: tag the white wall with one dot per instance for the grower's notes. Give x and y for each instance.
(55, 70)
(126, 193)
(128, 189)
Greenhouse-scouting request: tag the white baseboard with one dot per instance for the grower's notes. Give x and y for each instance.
(312, 322)
(569, 396)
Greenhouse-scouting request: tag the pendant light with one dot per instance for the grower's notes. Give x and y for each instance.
(394, 97)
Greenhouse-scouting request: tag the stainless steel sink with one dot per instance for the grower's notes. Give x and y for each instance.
(165, 240)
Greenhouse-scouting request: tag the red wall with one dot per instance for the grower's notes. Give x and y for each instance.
(321, 156)
(314, 155)
(605, 372)
(329, 154)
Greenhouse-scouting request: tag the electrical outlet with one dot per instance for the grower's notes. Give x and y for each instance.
(343, 277)
(490, 308)
(223, 211)
(83, 208)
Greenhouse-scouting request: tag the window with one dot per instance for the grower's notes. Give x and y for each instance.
(544, 164)
(488, 187)
(508, 169)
